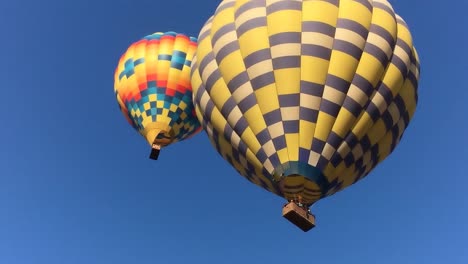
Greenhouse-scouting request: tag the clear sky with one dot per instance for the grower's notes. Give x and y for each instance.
(76, 184)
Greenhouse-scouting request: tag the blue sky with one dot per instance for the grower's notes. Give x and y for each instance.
(76, 184)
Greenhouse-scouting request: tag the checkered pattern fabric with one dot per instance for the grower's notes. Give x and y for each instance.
(305, 98)
(153, 89)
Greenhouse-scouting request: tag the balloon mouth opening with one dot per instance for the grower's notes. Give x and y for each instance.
(158, 133)
(300, 182)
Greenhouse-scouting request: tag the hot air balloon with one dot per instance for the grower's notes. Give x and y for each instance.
(305, 98)
(153, 89)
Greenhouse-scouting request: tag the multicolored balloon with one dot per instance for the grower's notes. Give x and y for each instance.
(305, 98)
(153, 89)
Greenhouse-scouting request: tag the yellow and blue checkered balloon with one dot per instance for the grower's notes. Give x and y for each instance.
(153, 89)
(305, 97)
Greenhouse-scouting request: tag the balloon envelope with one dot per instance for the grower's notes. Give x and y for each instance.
(305, 98)
(153, 89)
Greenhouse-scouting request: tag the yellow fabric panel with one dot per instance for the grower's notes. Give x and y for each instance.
(404, 33)
(293, 146)
(382, 18)
(324, 124)
(305, 137)
(287, 80)
(251, 140)
(231, 66)
(284, 21)
(343, 122)
(253, 40)
(408, 95)
(204, 47)
(253, 117)
(393, 79)
(256, 38)
(283, 155)
(165, 116)
(377, 131)
(353, 10)
(219, 94)
(221, 18)
(320, 11)
(269, 98)
(385, 146)
(342, 65)
(370, 69)
(363, 124)
(150, 60)
(183, 105)
(317, 66)
(240, 3)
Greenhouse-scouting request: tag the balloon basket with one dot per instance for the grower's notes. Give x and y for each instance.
(299, 216)
(155, 150)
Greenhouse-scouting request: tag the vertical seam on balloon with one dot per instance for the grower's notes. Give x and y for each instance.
(253, 89)
(267, 4)
(227, 123)
(377, 89)
(347, 90)
(191, 119)
(351, 128)
(405, 76)
(169, 78)
(189, 124)
(398, 137)
(174, 74)
(323, 88)
(262, 181)
(156, 67)
(131, 53)
(363, 110)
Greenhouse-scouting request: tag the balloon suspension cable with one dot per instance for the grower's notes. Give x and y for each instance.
(155, 150)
